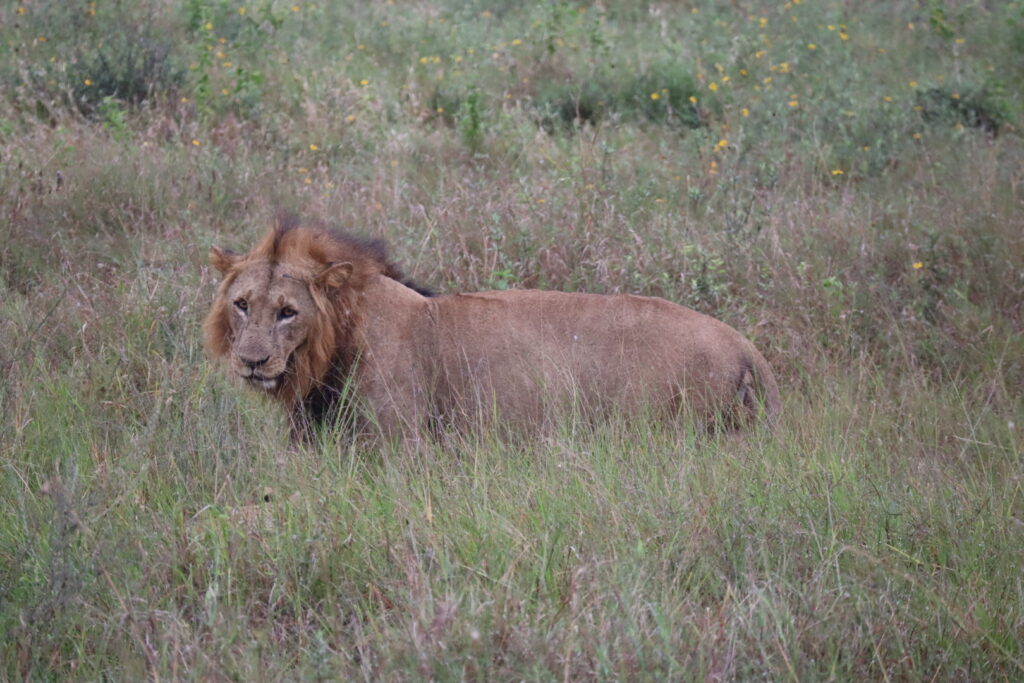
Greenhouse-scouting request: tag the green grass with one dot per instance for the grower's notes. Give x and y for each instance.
(853, 207)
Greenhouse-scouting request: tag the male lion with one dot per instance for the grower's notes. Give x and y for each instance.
(324, 323)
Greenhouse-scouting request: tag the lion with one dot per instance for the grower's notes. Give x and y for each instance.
(324, 323)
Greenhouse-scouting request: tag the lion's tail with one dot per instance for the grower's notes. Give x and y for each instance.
(759, 390)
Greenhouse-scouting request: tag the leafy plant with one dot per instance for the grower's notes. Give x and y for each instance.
(471, 124)
(113, 114)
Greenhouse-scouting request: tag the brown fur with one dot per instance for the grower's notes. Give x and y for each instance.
(359, 332)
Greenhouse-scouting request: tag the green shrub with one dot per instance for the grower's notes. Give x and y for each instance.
(129, 68)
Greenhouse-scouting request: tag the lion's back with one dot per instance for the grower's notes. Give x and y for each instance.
(526, 350)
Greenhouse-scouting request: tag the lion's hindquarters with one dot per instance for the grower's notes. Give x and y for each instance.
(726, 381)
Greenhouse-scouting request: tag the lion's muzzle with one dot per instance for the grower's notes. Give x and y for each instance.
(262, 373)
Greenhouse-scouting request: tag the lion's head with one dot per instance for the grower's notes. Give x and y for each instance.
(284, 314)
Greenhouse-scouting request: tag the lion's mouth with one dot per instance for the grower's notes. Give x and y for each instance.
(266, 383)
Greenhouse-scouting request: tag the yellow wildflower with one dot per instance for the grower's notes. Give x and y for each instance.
(918, 265)
(313, 148)
(712, 86)
(655, 96)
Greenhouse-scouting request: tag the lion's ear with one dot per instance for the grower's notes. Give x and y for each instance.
(334, 275)
(223, 259)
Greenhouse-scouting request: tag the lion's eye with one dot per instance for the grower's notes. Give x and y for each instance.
(242, 305)
(286, 313)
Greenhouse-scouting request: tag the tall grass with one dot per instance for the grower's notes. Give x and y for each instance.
(841, 182)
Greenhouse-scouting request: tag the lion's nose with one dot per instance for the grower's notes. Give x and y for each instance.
(253, 363)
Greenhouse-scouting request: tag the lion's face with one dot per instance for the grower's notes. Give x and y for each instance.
(271, 312)
(274, 319)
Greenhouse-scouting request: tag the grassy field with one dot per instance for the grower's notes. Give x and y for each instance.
(841, 181)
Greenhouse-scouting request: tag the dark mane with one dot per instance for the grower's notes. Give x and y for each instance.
(369, 248)
(376, 249)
